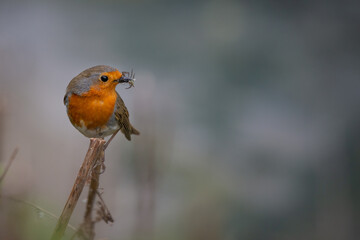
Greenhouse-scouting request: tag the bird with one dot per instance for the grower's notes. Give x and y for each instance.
(94, 107)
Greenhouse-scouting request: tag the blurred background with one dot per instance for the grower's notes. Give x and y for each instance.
(249, 116)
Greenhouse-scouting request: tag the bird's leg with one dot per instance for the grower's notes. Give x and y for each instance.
(111, 138)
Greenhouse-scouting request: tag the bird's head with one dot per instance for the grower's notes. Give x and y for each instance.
(100, 77)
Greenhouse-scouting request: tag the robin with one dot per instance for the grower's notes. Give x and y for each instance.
(94, 107)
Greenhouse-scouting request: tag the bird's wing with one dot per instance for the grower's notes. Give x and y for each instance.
(122, 117)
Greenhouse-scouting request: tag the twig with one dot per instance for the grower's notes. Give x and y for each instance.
(86, 230)
(111, 138)
(103, 212)
(12, 158)
(92, 155)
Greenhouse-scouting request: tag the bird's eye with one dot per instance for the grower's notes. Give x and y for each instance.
(104, 78)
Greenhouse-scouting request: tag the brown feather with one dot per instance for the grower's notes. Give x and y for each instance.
(122, 117)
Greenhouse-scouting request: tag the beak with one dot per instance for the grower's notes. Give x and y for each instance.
(127, 77)
(124, 79)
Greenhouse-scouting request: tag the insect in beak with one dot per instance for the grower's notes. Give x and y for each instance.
(128, 78)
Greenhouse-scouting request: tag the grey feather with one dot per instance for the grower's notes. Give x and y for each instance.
(82, 82)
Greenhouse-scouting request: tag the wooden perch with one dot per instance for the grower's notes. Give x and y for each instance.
(86, 230)
(93, 154)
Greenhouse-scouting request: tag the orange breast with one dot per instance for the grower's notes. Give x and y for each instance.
(92, 109)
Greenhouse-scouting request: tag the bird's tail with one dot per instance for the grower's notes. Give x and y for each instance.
(134, 131)
(128, 132)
